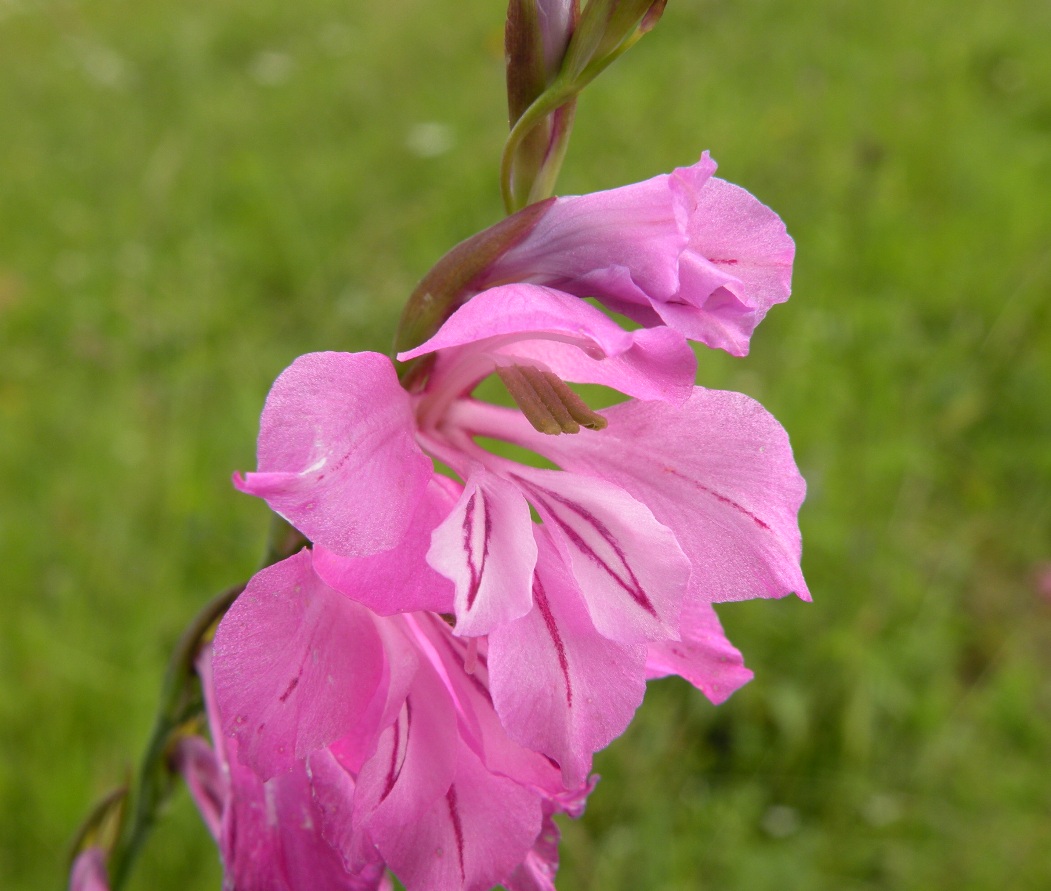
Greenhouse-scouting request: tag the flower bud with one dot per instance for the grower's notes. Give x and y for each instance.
(536, 37)
(607, 27)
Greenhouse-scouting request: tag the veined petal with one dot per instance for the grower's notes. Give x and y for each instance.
(336, 453)
(628, 566)
(559, 686)
(399, 580)
(287, 683)
(718, 471)
(479, 724)
(471, 839)
(413, 765)
(703, 656)
(485, 547)
(437, 814)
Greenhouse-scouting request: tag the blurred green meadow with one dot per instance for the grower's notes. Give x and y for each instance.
(192, 194)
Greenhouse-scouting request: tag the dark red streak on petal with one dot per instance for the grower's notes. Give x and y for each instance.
(473, 506)
(288, 690)
(540, 598)
(454, 814)
(632, 585)
(729, 502)
(393, 771)
(458, 656)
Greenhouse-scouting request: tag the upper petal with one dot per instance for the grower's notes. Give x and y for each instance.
(640, 228)
(685, 250)
(745, 240)
(336, 452)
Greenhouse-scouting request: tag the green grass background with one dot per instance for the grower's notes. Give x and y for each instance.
(192, 194)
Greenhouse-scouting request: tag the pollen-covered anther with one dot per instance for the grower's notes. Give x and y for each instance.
(547, 401)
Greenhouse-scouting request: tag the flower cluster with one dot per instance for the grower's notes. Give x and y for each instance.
(423, 688)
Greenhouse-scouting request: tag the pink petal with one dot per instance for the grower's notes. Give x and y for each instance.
(537, 872)
(273, 839)
(685, 250)
(704, 656)
(398, 580)
(334, 792)
(270, 834)
(560, 687)
(736, 236)
(508, 313)
(485, 547)
(471, 839)
(413, 764)
(534, 325)
(478, 723)
(629, 566)
(336, 453)
(640, 228)
(287, 683)
(718, 472)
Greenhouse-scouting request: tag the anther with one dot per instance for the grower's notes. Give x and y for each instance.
(547, 401)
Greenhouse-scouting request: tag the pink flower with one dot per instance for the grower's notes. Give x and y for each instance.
(686, 498)
(684, 249)
(363, 742)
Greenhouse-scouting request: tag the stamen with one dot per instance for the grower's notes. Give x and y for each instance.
(547, 401)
